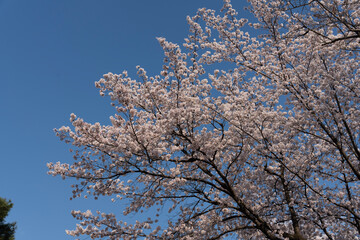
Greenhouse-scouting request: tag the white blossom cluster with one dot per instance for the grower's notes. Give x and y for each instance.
(250, 137)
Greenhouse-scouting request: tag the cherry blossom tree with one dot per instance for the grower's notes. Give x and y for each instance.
(240, 135)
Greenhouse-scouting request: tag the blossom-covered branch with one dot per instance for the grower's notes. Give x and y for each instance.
(250, 136)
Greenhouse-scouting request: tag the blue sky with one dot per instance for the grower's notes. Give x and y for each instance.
(51, 53)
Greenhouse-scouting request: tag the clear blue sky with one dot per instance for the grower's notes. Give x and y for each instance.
(51, 53)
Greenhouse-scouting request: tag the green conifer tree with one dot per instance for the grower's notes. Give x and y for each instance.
(7, 230)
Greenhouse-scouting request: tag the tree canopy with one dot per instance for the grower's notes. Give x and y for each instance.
(7, 230)
(251, 134)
